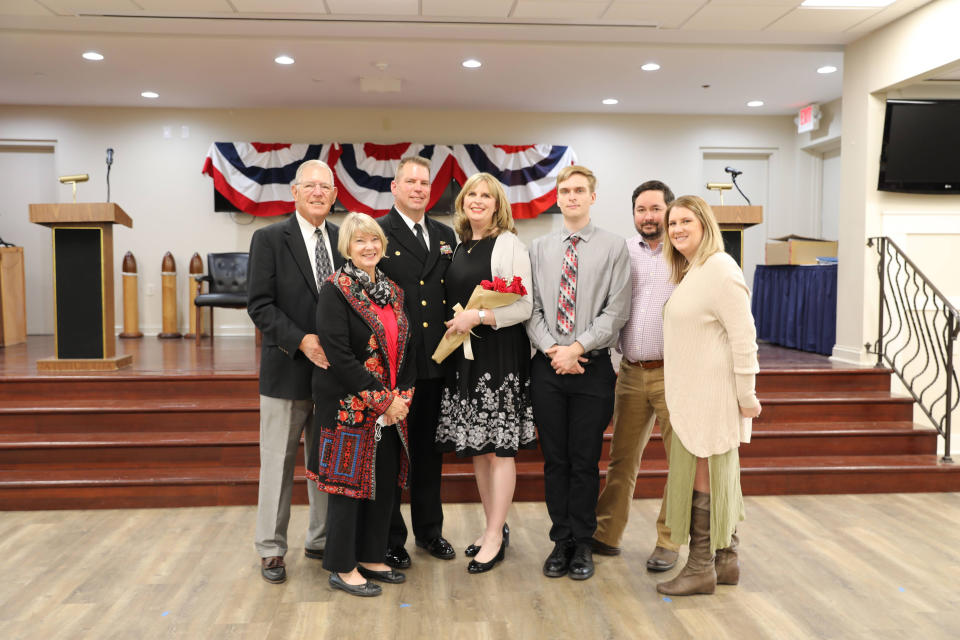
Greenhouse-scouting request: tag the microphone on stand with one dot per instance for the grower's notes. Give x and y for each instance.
(733, 176)
(109, 163)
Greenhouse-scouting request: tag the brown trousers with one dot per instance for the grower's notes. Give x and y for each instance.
(639, 399)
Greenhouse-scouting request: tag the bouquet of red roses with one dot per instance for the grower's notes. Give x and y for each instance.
(486, 295)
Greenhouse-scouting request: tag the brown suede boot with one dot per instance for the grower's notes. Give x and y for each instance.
(728, 567)
(699, 574)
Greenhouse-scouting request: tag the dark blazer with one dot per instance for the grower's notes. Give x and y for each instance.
(282, 302)
(355, 390)
(421, 276)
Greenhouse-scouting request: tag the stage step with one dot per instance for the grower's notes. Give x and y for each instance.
(126, 388)
(207, 486)
(241, 448)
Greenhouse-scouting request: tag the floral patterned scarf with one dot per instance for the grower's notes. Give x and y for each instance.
(380, 291)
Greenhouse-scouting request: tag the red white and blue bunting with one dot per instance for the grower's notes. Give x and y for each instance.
(255, 177)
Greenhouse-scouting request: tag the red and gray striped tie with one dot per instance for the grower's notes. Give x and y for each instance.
(566, 308)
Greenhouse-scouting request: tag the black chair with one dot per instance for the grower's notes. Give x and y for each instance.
(226, 285)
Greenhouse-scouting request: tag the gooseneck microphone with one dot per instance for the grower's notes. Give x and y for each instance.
(733, 176)
(109, 164)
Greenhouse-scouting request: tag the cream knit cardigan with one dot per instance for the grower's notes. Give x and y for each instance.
(710, 357)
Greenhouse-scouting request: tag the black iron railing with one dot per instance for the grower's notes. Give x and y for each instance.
(917, 334)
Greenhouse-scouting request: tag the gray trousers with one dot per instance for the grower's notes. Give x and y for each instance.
(282, 422)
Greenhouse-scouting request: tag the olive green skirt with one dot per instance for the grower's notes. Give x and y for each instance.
(726, 498)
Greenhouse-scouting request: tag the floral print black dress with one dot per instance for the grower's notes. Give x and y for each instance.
(486, 401)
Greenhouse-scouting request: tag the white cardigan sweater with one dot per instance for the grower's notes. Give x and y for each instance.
(710, 357)
(508, 259)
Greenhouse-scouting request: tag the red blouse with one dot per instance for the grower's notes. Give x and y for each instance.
(389, 321)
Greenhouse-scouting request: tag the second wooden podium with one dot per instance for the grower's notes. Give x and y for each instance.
(82, 284)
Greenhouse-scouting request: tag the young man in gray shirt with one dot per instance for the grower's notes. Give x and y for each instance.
(581, 299)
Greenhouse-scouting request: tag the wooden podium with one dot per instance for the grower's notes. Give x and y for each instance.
(82, 284)
(733, 220)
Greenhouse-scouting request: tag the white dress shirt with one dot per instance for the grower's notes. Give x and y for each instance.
(310, 240)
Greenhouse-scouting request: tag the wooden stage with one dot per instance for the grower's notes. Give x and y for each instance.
(180, 428)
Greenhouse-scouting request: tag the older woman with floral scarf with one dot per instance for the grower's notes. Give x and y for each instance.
(361, 401)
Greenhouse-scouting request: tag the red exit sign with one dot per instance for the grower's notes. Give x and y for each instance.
(808, 119)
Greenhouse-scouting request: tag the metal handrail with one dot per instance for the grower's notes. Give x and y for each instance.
(920, 335)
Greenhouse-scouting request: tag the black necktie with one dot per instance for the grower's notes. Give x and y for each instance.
(322, 258)
(423, 242)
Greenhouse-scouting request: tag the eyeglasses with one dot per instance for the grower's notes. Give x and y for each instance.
(309, 187)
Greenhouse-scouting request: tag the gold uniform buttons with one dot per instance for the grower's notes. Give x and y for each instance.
(396, 253)
(423, 302)
(426, 324)
(421, 283)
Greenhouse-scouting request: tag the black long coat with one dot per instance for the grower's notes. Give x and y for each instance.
(355, 390)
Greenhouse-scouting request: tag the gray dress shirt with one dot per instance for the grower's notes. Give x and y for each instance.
(603, 289)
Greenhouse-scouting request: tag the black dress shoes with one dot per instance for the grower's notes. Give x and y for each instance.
(391, 576)
(437, 547)
(604, 549)
(313, 554)
(558, 562)
(273, 570)
(397, 557)
(581, 566)
(365, 590)
(483, 567)
(474, 549)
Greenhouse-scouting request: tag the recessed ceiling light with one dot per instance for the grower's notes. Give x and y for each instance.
(828, 68)
(846, 4)
(150, 94)
(650, 66)
(472, 63)
(610, 101)
(755, 103)
(92, 55)
(284, 60)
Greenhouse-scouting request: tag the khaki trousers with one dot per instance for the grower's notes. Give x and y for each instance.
(282, 422)
(639, 399)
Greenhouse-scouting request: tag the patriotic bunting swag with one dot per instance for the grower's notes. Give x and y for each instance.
(255, 177)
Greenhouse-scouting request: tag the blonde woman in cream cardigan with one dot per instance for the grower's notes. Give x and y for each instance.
(710, 365)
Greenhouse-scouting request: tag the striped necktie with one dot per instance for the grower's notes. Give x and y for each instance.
(322, 259)
(567, 305)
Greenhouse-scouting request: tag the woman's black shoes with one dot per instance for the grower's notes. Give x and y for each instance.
(474, 549)
(483, 567)
(390, 576)
(365, 590)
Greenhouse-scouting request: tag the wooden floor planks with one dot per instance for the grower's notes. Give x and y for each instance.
(834, 566)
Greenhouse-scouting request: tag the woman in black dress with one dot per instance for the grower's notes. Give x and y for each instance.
(485, 412)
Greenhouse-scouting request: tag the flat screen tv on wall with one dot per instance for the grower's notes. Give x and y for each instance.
(921, 147)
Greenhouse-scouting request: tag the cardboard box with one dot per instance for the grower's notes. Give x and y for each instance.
(799, 250)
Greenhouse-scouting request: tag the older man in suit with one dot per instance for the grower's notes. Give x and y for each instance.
(288, 262)
(419, 251)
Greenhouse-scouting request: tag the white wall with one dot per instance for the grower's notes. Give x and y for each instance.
(890, 61)
(910, 49)
(158, 182)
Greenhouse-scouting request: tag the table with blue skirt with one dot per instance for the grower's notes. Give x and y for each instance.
(796, 306)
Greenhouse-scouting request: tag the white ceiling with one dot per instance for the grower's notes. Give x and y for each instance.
(538, 55)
